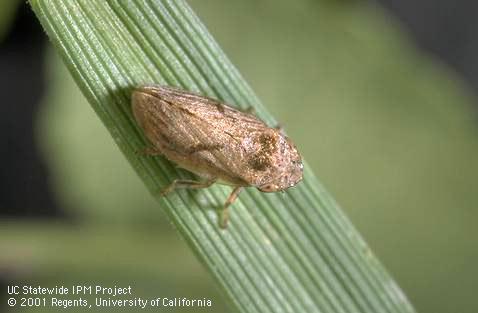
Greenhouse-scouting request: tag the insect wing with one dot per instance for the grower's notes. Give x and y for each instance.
(199, 133)
(221, 134)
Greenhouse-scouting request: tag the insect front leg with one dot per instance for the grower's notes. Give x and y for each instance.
(185, 183)
(224, 219)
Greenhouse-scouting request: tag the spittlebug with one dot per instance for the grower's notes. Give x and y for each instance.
(216, 142)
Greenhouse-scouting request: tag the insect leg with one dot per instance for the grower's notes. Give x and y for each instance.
(225, 212)
(184, 183)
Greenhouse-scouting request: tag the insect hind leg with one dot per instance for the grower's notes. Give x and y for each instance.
(224, 218)
(186, 183)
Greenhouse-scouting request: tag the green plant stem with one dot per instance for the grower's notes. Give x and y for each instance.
(285, 252)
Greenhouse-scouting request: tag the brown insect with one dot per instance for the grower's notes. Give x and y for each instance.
(216, 142)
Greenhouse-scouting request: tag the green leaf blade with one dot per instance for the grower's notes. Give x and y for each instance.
(291, 252)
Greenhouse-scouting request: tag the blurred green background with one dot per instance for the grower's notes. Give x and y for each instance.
(389, 130)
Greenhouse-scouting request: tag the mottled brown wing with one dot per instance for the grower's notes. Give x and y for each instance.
(208, 132)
